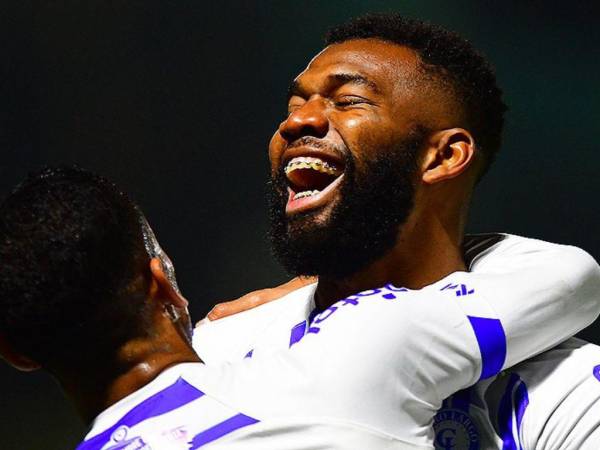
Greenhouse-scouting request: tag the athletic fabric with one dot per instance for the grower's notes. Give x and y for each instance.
(534, 292)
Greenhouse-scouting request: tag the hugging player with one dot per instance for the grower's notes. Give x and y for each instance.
(90, 297)
(389, 129)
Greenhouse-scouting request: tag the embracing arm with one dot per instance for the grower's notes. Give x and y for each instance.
(541, 293)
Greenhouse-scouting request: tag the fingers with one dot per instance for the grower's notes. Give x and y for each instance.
(296, 283)
(257, 298)
(248, 301)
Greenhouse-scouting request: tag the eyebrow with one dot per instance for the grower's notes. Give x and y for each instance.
(354, 78)
(336, 79)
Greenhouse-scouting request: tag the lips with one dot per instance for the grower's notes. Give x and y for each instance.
(312, 179)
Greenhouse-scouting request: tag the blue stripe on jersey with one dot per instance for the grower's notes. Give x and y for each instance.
(596, 372)
(297, 332)
(178, 394)
(221, 429)
(512, 405)
(492, 344)
(521, 403)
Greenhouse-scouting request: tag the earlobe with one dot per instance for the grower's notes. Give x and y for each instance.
(452, 152)
(15, 359)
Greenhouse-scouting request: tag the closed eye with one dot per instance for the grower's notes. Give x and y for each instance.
(348, 101)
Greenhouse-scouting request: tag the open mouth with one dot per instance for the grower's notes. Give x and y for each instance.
(311, 181)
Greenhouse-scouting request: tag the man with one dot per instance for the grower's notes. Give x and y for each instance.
(88, 294)
(389, 129)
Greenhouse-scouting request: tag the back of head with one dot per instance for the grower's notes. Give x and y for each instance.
(73, 274)
(447, 59)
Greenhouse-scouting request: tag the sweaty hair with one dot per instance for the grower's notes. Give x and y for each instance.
(449, 58)
(72, 280)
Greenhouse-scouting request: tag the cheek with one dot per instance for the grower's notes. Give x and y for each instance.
(365, 139)
(353, 123)
(362, 130)
(275, 151)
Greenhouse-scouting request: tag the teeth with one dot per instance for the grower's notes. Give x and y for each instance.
(305, 194)
(307, 162)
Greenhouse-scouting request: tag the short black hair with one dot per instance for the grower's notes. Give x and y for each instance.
(451, 59)
(72, 251)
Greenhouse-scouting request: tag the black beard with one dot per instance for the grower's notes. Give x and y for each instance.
(362, 227)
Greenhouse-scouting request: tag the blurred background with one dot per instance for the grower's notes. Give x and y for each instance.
(176, 101)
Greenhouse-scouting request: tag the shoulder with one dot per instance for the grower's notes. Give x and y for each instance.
(562, 387)
(497, 252)
(558, 369)
(481, 249)
(230, 338)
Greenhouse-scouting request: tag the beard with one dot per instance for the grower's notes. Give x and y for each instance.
(363, 225)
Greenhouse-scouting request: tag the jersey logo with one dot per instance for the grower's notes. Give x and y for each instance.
(119, 441)
(459, 289)
(388, 292)
(454, 430)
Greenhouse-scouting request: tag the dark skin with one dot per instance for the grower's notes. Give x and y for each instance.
(135, 363)
(363, 95)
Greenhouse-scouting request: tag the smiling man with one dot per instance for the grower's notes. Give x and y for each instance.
(388, 131)
(374, 167)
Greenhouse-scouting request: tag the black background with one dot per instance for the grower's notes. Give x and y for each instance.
(176, 101)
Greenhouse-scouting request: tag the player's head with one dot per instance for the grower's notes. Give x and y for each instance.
(82, 273)
(392, 118)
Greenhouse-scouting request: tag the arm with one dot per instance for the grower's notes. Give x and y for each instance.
(360, 360)
(552, 401)
(381, 349)
(542, 293)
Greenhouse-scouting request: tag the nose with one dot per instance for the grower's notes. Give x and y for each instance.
(308, 120)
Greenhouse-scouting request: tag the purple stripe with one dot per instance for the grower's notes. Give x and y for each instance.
(596, 372)
(514, 401)
(521, 403)
(178, 394)
(221, 429)
(297, 332)
(492, 344)
(505, 415)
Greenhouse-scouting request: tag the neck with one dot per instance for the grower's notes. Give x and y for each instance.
(136, 364)
(426, 251)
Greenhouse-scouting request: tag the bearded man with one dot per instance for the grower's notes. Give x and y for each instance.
(389, 130)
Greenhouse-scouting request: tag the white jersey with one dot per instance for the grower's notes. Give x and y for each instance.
(521, 297)
(326, 376)
(549, 402)
(174, 413)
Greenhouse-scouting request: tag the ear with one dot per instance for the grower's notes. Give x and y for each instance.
(166, 289)
(16, 359)
(450, 154)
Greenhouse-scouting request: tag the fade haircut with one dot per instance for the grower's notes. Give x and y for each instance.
(74, 268)
(451, 60)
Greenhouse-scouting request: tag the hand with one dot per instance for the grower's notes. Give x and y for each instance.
(257, 298)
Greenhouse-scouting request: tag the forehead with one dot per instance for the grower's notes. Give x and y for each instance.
(388, 65)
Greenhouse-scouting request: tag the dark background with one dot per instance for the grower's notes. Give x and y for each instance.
(176, 101)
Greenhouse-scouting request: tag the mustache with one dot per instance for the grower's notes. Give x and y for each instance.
(311, 141)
